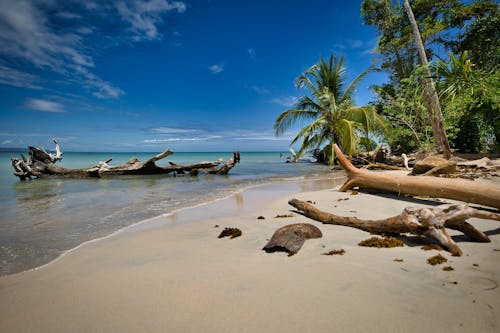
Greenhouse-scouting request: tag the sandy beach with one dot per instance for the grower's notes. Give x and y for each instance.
(172, 274)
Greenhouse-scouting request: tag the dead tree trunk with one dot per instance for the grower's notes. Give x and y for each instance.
(457, 189)
(430, 94)
(430, 222)
(41, 165)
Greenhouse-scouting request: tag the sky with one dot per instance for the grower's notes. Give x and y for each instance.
(191, 75)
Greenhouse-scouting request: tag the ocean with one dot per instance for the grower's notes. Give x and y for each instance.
(42, 218)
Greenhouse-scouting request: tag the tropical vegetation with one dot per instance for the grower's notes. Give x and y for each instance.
(331, 112)
(460, 39)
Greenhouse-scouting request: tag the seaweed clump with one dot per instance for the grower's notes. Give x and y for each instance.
(384, 242)
(332, 252)
(428, 247)
(448, 268)
(230, 232)
(283, 216)
(436, 260)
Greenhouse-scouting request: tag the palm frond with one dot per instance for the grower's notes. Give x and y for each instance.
(350, 88)
(290, 117)
(348, 135)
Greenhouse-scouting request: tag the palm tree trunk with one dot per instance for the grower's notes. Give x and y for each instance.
(430, 93)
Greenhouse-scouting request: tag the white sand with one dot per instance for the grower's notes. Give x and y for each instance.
(175, 275)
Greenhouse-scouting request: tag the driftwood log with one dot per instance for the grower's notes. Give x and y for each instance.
(41, 164)
(431, 222)
(456, 189)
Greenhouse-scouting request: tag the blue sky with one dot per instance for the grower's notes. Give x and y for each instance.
(193, 75)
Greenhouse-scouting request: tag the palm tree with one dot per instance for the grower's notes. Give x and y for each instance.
(335, 118)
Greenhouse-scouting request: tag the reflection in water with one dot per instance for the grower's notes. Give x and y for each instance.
(239, 199)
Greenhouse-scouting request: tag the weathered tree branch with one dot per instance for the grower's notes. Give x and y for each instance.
(457, 189)
(41, 164)
(429, 222)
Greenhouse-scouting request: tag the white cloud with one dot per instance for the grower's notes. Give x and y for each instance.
(31, 36)
(6, 142)
(287, 101)
(252, 135)
(144, 16)
(44, 105)
(26, 33)
(251, 53)
(13, 77)
(172, 130)
(259, 90)
(215, 69)
(351, 44)
(203, 138)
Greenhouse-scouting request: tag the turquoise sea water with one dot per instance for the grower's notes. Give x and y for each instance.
(39, 219)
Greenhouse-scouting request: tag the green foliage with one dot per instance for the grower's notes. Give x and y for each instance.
(330, 110)
(404, 108)
(468, 82)
(470, 97)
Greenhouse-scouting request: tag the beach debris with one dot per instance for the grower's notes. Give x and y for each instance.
(448, 268)
(41, 164)
(311, 202)
(280, 216)
(261, 218)
(216, 226)
(384, 242)
(290, 238)
(230, 232)
(428, 221)
(432, 246)
(456, 189)
(432, 165)
(354, 192)
(332, 252)
(398, 260)
(342, 199)
(436, 260)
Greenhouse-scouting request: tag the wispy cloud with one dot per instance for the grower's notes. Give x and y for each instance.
(350, 44)
(251, 53)
(216, 68)
(259, 90)
(250, 135)
(180, 135)
(44, 105)
(6, 142)
(287, 101)
(144, 16)
(180, 139)
(13, 77)
(173, 130)
(53, 38)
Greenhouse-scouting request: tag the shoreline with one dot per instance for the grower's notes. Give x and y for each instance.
(271, 182)
(174, 274)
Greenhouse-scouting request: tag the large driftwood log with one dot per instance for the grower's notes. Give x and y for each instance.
(40, 164)
(457, 189)
(429, 222)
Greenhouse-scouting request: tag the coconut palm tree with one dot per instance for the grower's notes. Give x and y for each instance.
(331, 110)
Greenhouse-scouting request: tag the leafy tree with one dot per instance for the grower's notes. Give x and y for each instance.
(452, 25)
(472, 103)
(330, 108)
